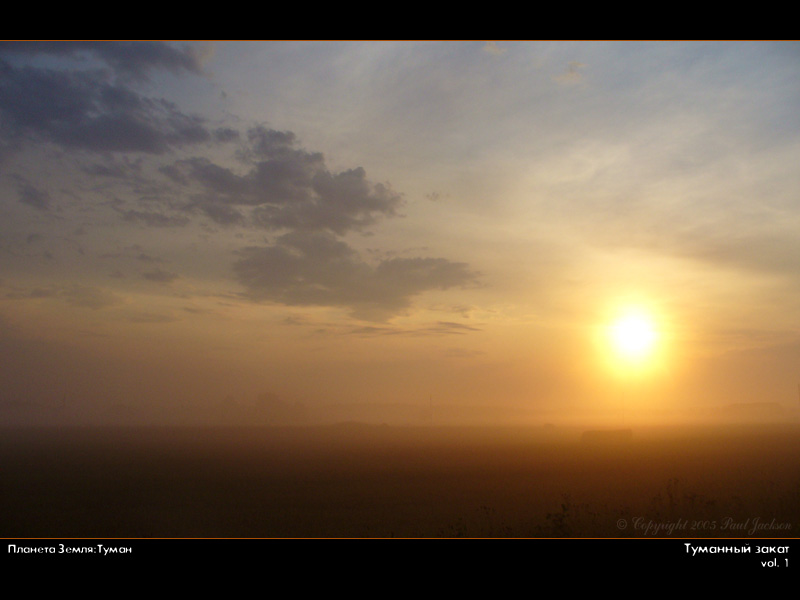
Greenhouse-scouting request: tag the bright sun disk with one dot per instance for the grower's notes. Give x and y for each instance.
(633, 336)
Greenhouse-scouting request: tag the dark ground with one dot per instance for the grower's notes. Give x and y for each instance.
(356, 480)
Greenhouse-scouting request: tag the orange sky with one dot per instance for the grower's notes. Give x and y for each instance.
(433, 225)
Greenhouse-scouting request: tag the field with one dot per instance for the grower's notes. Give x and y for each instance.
(355, 480)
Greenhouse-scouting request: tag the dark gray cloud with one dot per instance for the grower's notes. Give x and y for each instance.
(225, 134)
(133, 58)
(160, 276)
(91, 103)
(314, 268)
(268, 143)
(221, 213)
(286, 186)
(94, 109)
(33, 196)
(120, 171)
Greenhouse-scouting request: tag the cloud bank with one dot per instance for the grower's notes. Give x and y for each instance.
(86, 99)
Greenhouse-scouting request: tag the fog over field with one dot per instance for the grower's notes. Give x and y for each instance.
(355, 480)
(393, 288)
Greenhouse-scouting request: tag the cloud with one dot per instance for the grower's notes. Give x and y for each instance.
(458, 328)
(136, 59)
(316, 269)
(145, 317)
(32, 196)
(436, 196)
(77, 295)
(43, 293)
(439, 328)
(154, 219)
(91, 103)
(89, 297)
(225, 134)
(286, 187)
(133, 253)
(774, 252)
(111, 169)
(572, 75)
(160, 276)
(493, 49)
(221, 214)
(93, 109)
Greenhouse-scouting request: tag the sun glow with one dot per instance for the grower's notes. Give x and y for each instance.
(632, 341)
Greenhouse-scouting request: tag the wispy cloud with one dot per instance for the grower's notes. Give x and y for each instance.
(573, 74)
(33, 196)
(493, 49)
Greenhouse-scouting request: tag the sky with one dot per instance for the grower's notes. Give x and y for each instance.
(416, 230)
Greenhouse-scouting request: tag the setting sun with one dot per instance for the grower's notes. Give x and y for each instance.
(633, 336)
(409, 288)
